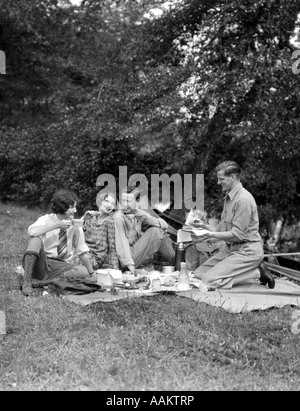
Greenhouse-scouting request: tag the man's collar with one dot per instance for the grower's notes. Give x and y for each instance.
(233, 192)
(131, 216)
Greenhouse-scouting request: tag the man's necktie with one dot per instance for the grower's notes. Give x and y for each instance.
(62, 243)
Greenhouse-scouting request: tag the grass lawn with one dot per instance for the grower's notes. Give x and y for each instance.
(156, 343)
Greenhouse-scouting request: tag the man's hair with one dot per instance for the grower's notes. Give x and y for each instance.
(132, 190)
(229, 167)
(62, 200)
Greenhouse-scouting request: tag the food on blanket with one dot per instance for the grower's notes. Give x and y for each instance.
(169, 280)
(135, 280)
(138, 283)
(144, 285)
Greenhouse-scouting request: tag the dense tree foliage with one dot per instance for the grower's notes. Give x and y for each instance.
(109, 83)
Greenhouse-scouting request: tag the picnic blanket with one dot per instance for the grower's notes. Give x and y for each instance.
(248, 296)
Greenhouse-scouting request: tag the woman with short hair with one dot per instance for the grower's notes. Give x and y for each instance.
(99, 233)
(53, 241)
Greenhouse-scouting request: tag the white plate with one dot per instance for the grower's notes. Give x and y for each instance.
(200, 231)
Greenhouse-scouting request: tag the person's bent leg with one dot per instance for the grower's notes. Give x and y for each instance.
(34, 264)
(147, 245)
(63, 269)
(210, 263)
(29, 262)
(77, 271)
(166, 249)
(240, 265)
(219, 277)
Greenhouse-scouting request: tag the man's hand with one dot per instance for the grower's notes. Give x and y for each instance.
(141, 214)
(131, 268)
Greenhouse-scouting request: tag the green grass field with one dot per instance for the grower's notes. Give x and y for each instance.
(156, 343)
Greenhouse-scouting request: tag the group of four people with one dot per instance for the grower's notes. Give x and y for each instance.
(127, 237)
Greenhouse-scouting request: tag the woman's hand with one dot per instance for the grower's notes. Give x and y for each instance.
(90, 214)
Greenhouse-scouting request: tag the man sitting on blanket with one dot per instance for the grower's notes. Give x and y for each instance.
(139, 235)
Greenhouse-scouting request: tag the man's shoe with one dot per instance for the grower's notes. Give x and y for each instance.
(27, 289)
(265, 276)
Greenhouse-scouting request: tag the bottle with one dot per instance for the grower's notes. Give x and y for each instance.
(183, 278)
(180, 256)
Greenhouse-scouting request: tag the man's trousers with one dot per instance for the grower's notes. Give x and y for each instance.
(49, 268)
(234, 263)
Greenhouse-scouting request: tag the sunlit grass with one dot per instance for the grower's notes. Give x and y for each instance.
(156, 343)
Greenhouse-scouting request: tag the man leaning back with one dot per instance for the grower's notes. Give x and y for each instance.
(139, 235)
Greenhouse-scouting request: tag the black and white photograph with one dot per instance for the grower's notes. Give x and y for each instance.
(150, 198)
